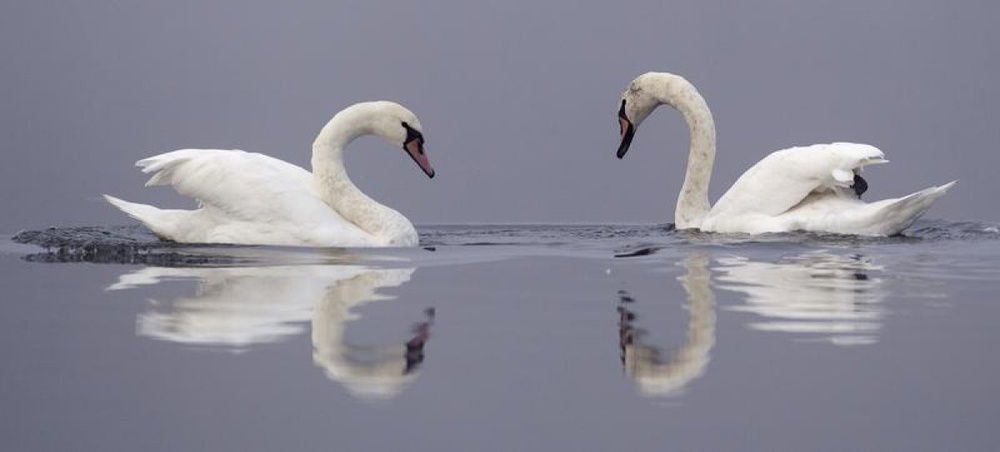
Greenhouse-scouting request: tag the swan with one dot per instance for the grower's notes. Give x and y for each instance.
(254, 199)
(810, 188)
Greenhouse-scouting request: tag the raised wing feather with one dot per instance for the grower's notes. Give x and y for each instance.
(784, 178)
(240, 185)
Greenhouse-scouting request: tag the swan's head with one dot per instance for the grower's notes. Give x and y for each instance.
(637, 102)
(642, 96)
(386, 119)
(401, 127)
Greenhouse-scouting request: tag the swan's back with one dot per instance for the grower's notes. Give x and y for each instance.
(223, 179)
(809, 188)
(785, 178)
(245, 197)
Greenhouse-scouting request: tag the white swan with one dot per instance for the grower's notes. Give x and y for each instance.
(811, 188)
(250, 198)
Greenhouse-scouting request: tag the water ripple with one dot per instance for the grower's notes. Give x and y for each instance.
(137, 245)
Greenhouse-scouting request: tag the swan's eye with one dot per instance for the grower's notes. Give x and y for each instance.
(621, 111)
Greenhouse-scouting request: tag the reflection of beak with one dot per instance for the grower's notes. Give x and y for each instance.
(628, 131)
(415, 148)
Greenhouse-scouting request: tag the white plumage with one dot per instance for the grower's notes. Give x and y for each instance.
(809, 188)
(251, 198)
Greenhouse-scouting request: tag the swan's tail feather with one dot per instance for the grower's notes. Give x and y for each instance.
(156, 219)
(140, 212)
(895, 215)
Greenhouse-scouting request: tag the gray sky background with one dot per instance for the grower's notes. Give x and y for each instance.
(517, 98)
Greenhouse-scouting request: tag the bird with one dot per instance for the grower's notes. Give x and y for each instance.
(254, 199)
(814, 188)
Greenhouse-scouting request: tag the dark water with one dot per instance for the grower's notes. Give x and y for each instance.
(582, 337)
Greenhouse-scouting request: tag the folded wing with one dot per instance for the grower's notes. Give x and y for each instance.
(785, 178)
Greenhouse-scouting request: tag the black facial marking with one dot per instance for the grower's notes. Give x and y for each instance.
(413, 145)
(413, 134)
(627, 131)
(860, 185)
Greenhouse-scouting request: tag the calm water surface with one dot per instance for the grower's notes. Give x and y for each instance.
(504, 338)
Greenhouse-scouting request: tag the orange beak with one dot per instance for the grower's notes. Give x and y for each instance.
(415, 148)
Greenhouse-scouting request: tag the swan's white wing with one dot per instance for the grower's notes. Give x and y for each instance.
(225, 179)
(783, 179)
(244, 195)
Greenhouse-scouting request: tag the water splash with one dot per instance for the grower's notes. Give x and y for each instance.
(120, 245)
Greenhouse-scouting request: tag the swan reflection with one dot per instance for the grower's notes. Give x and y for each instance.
(818, 294)
(238, 307)
(826, 296)
(665, 376)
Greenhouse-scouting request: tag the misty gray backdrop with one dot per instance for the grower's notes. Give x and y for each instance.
(517, 98)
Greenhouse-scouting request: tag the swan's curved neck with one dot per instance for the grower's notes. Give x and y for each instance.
(334, 186)
(692, 202)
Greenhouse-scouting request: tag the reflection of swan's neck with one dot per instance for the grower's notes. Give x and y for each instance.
(370, 372)
(643, 362)
(692, 203)
(330, 180)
